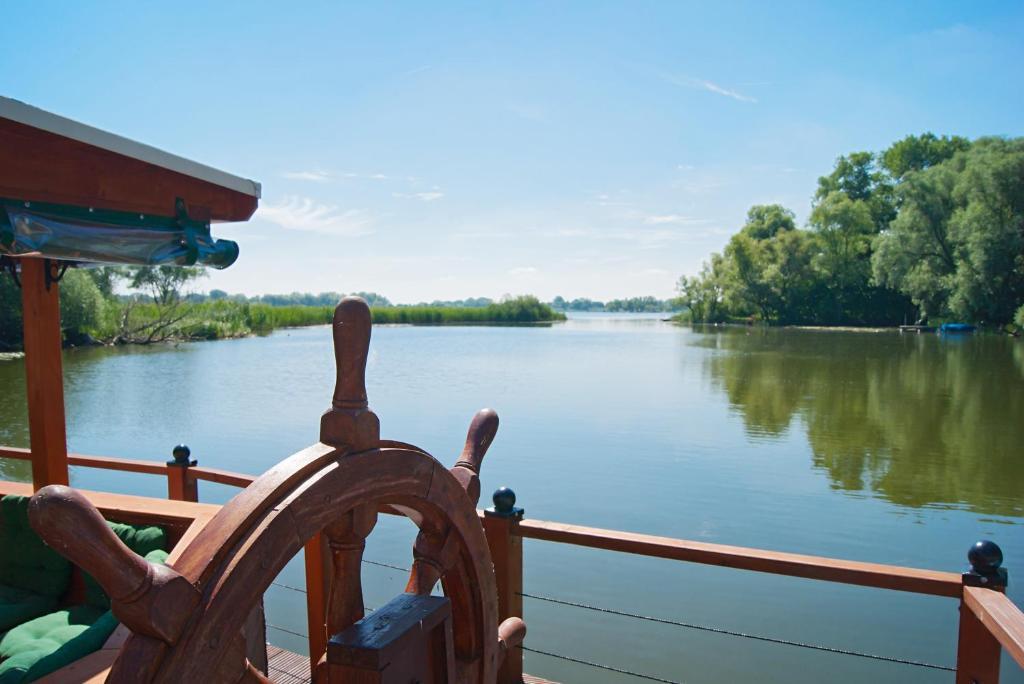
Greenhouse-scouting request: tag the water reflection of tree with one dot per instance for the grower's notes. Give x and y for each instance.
(920, 420)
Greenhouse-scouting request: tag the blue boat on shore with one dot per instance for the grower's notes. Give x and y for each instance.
(956, 328)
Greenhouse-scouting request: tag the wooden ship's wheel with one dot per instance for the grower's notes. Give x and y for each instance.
(187, 618)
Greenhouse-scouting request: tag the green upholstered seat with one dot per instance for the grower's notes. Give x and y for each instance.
(46, 644)
(36, 638)
(18, 605)
(32, 575)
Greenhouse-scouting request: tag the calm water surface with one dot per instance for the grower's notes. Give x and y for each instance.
(875, 447)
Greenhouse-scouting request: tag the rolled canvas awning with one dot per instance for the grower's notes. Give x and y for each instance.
(72, 192)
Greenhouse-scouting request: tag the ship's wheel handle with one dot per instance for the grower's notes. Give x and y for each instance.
(149, 598)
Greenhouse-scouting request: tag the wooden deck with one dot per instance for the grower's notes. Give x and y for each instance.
(291, 668)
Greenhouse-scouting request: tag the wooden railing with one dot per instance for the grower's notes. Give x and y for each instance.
(989, 621)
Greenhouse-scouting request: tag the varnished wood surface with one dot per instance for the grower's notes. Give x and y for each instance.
(149, 598)
(127, 465)
(1000, 616)
(285, 667)
(291, 668)
(40, 166)
(44, 382)
(775, 562)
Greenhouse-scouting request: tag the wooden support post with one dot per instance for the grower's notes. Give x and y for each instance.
(506, 546)
(316, 602)
(978, 651)
(40, 305)
(181, 485)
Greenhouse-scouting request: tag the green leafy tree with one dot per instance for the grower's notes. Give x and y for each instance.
(844, 227)
(957, 246)
(703, 295)
(159, 314)
(765, 221)
(10, 313)
(857, 176)
(82, 304)
(920, 152)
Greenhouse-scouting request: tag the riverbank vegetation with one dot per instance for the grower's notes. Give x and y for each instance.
(930, 229)
(156, 310)
(628, 305)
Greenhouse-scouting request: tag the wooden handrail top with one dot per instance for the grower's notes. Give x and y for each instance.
(1001, 617)
(914, 580)
(130, 465)
(225, 477)
(127, 465)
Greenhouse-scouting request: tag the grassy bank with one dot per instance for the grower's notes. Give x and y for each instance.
(145, 322)
(215, 320)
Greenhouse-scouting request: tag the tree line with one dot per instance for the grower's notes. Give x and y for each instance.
(631, 304)
(146, 305)
(930, 229)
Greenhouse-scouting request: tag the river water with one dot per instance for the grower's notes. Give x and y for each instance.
(881, 447)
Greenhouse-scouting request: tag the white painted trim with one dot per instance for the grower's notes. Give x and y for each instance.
(38, 118)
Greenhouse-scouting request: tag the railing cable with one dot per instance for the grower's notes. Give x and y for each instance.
(600, 666)
(288, 586)
(664, 621)
(758, 637)
(288, 631)
(386, 565)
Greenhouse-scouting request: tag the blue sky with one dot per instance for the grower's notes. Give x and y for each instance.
(447, 150)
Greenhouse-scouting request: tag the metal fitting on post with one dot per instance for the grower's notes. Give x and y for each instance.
(986, 558)
(504, 500)
(182, 454)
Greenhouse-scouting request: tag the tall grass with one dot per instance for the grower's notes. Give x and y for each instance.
(213, 320)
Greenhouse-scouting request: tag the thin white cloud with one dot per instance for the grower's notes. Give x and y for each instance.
(315, 176)
(522, 270)
(710, 86)
(422, 196)
(304, 213)
(676, 219)
(367, 176)
(715, 88)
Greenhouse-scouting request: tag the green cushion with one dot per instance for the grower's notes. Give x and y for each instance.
(141, 540)
(48, 643)
(18, 605)
(25, 561)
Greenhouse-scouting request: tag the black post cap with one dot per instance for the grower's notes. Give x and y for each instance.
(504, 504)
(986, 559)
(181, 458)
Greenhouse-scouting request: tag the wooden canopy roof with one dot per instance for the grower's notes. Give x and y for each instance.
(60, 163)
(48, 158)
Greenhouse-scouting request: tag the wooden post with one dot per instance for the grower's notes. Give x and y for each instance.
(506, 546)
(978, 651)
(181, 486)
(316, 602)
(40, 305)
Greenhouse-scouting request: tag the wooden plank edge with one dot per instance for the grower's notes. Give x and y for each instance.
(1001, 616)
(893, 577)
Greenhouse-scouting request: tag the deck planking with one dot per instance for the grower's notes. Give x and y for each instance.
(292, 668)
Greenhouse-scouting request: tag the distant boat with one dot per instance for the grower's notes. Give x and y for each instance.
(917, 328)
(956, 328)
